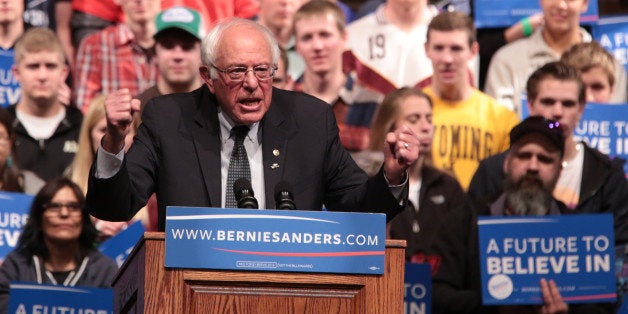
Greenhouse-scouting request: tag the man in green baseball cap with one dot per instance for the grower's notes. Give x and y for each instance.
(179, 31)
(180, 18)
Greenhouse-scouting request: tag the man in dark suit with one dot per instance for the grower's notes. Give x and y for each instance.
(182, 149)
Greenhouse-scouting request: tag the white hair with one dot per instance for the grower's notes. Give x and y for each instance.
(209, 46)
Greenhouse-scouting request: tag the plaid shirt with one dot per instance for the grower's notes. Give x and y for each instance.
(353, 117)
(109, 60)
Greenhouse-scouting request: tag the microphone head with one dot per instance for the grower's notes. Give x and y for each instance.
(243, 192)
(241, 186)
(283, 196)
(282, 187)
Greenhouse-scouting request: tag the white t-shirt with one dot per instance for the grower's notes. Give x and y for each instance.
(567, 188)
(40, 128)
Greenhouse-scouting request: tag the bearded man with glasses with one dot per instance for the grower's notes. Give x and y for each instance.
(183, 148)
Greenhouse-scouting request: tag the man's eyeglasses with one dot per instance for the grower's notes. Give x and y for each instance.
(262, 72)
(74, 208)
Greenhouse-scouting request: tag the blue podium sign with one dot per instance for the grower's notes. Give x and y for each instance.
(275, 240)
(120, 246)
(504, 13)
(14, 209)
(34, 298)
(576, 251)
(417, 292)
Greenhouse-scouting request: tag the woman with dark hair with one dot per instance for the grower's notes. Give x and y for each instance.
(432, 192)
(57, 244)
(12, 179)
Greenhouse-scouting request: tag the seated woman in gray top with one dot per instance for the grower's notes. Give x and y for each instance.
(56, 245)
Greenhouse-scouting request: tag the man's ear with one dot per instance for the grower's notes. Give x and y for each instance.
(585, 6)
(475, 48)
(65, 71)
(426, 48)
(530, 105)
(206, 77)
(506, 162)
(16, 72)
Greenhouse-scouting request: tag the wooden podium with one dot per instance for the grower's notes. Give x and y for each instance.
(144, 285)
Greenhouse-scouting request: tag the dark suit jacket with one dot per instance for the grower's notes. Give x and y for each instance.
(176, 153)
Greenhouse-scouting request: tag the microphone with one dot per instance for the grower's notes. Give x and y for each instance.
(283, 196)
(244, 194)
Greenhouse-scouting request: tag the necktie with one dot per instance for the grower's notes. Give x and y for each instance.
(238, 164)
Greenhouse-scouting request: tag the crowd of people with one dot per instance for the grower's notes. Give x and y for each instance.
(404, 110)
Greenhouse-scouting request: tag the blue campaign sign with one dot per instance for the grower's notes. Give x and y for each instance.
(275, 240)
(10, 89)
(504, 13)
(612, 34)
(576, 251)
(603, 127)
(121, 245)
(34, 298)
(417, 292)
(14, 209)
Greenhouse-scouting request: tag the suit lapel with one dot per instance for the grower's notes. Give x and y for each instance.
(275, 132)
(206, 134)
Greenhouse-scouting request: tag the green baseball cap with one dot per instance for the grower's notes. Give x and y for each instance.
(182, 18)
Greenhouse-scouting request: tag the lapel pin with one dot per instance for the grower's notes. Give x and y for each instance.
(274, 166)
(275, 152)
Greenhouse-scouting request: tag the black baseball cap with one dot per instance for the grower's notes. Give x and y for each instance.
(549, 128)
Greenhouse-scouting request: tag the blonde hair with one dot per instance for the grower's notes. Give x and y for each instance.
(38, 39)
(585, 56)
(79, 169)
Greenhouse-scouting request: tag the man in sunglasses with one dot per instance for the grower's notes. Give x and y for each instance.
(183, 150)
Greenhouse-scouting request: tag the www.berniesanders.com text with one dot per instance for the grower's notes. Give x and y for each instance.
(275, 237)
